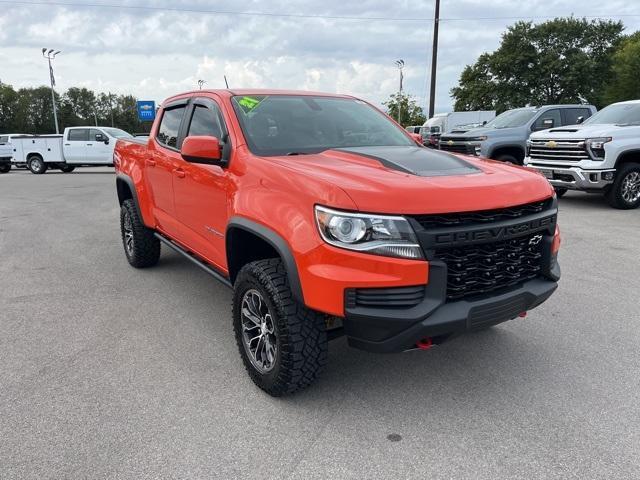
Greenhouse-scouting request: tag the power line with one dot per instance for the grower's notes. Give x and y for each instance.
(294, 15)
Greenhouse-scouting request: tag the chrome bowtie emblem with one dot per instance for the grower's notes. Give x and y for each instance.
(551, 144)
(535, 240)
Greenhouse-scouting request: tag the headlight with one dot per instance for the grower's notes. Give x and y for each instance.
(477, 139)
(376, 234)
(596, 146)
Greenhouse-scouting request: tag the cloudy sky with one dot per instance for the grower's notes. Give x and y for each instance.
(121, 46)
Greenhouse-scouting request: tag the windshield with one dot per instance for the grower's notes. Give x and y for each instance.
(298, 124)
(512, 118)
(620, 114)
(117, 133)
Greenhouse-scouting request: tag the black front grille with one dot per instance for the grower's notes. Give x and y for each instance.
(393, 297)
(469, 219)
(454, 148)
(478, 269)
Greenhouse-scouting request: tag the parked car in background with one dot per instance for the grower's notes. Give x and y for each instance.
(442, 123)
(505, 137)
(77, 146)
(6, 153)
(327, 219)
(602, 155)
(413, 128)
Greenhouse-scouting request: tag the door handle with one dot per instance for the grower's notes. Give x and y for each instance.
(179, 173)
(89, 144)
(150, 162)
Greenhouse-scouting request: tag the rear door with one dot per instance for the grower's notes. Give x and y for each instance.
(200, 191)
(162, 159)
(570, 115)
(75, 145)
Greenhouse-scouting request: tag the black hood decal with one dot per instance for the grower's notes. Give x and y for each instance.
(420, 161)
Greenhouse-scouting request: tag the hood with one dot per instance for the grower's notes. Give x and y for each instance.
(415, 180)
(582, 131)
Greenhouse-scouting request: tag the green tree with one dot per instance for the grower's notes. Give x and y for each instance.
(410, 112)
(624, 84)
(565, 60)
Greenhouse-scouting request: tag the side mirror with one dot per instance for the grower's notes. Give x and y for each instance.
(202, 149)
(417, 138)
(484, 123)
(579, 120)
(106, 140)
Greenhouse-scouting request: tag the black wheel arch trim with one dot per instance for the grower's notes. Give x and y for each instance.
(626, 152)
(121, 177)
(277, 242)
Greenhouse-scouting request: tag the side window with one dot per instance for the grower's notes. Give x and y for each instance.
(549, 114)
(170, 126)
(96, 135)
(78, 135)
(571, 115)
(205, 121)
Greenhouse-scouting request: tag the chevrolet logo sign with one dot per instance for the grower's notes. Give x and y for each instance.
(551, 144)
(450, 142)
(145, 107)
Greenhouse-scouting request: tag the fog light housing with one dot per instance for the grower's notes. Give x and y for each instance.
(477, 150)
(608, 176)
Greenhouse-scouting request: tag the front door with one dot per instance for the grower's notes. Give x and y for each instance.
(200, 191)
(162, 157)
(98, 152)
(75, 145)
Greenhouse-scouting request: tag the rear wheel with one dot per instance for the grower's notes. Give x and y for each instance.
(36, 164)
(560, 191)
(625, 191)
(282, 343)
(141, 247)
(67, 168)
(5, 168)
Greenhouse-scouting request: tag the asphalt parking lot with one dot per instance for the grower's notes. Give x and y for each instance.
(108, 371)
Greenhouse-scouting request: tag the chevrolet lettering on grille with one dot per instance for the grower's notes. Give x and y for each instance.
(493, 233)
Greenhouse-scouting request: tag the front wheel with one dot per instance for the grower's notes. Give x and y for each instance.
(624, 194)
(5, 168)
(282, 343)
(506, 158)
(36, 164)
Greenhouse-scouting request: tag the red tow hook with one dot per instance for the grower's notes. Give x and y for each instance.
(522, 314)
(425, 343)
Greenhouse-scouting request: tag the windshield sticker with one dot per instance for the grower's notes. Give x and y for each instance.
(249, 104)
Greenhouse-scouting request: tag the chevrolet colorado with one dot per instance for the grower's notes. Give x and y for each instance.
(327, 218)
(602, 155)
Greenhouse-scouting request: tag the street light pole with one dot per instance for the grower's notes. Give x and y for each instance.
(434, 60)
(400, 65)
(201, 83)
(50, 55)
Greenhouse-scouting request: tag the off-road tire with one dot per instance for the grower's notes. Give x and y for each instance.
(67, 168)
(560, 191)
(36, 165)
(5, 168)
(614, 195)
(301, 333)
(144, 250)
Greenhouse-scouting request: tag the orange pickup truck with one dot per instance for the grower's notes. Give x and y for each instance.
(328, 219)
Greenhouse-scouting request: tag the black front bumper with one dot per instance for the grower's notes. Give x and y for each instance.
(389, 330)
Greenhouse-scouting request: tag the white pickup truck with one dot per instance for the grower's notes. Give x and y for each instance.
(601, 155)
(77, 146)
(6, 153)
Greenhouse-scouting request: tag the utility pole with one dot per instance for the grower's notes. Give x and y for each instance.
(111, 109)
(400, 65)
(434, 60)
(50, 55)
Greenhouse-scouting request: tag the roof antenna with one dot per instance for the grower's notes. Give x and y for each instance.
(225, 81)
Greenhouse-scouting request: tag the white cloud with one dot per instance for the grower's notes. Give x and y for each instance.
(154, 54)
